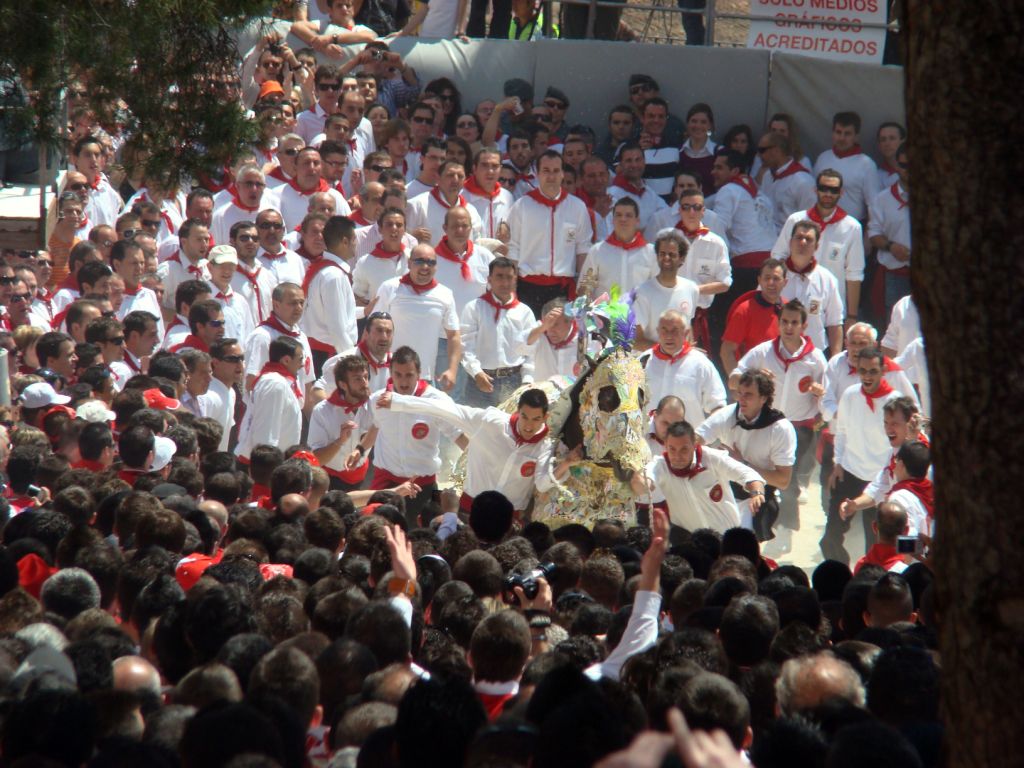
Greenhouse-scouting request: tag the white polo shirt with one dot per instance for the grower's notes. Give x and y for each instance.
(890, 216)
(904, 325)
(791, 188)
(493, 208)
(286, 266)
(273, 418)
(330, 315)
(706, 499)
(176, 270)
(818, 291)
(420, 318)
(860, 179)
(408, 443)
(840, 247)
(653, 299)
(450, 271)
(375, 268)
(861, 446)
(613, 262)
(747, 218)
(491, 337)
(794, 374)
(548, 236)
(688, 375)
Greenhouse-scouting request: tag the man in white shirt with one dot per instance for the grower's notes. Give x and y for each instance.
(428, 210)
(889, 232)
(140, 339)
(841, 244)
(508, 453)
(227, 362)
(129, 264)
(407, 447)
(188, 293)
(861, 447)
(330, 317)
(206, 325)
(308, 181)
(285, 265)
(674, 367)
(629, 182)
(666, 290)
(904, 326)
(104, 203)
(249, 196)
(195, 398)
(238, 318)
(188, 263)
(341, 429)
(432, 154)
(250, 280)
(275, 414)
(327, 82)
(787, 184)
(553, 344)
(799, 371)
(695, 480)
(815, 287)
(686, 182)
(423, 310)
(288, 302)
(386, 257)
(492, 327)
(759, 436)
(746, 215)
(491, 200)
(860, 174)
(288, 147)
(624, 258)
(374, 348)
(550, 236)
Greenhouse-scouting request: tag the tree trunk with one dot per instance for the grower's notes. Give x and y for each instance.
(965, 82)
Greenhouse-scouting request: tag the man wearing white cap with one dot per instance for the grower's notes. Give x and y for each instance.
(36, 399)
(238, 317)
(142, 452)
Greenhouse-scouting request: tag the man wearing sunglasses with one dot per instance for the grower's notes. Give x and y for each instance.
(788, 184)
(18, 305)
(327, 83)
(841, 244)
(206, 325)
(643, 88)
(107, 333)
(250, 280)
(228, 365)
(287, 152)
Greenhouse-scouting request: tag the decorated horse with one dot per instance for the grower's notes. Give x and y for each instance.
(598, 420)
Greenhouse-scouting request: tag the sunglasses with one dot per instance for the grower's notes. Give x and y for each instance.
(215, 323)
(641, 88)
(128, 234)
(270, 225)
(380, 168)
(78, 187)
(421, 262)
(44, 263)
(247, 238)
(377, 316)
(151, 223)
(423, 120)
(7, 280)
(233, 359)
(507, 182)
(466, 124)
(691, 206)
(290, 152)
(328, 86)
(830, 190)
(117, 340)
(19, 297)
(552, 104)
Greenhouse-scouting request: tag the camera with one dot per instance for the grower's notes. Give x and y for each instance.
(528, 582)
(377, 54)
(908, 545)
(275, 49)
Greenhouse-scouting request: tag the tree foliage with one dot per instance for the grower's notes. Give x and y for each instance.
(165, 68)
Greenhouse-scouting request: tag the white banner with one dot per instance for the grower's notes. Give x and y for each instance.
(828, 29)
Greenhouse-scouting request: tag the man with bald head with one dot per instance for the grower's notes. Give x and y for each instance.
(424, 311)
(249, 196)
(136, 675)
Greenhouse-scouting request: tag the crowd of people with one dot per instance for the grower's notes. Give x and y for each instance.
(229, 534)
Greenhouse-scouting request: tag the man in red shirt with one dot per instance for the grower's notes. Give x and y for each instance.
(754, 317)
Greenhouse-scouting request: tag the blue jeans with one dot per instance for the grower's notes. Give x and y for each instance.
(504, 386)
(458, 392)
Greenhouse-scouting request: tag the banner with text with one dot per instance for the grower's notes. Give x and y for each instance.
(828, 29)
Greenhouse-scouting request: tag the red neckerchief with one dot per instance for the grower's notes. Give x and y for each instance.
(543, 199)
(340, 189)
(129, 292)
(805, 350)
(436, 194)
(884, 388)
(690, 472)
(358, 217)
(889, 365)
(794, 167)
(654, 436)
(95, 466)
(282, 371)
(188, 266)
(58, 319)
(474, 188)
(659, 353)
(421, 387)
(895, 189)
(513, 421)
(622, 182)
(417, 289)
(854, 150)
(493, 301)
(567, 340)
(637, 242)
(274, 256)
(238, 202)
(191, 342)
(341, 402)
(311, 258)
(370, 359)
(321, 186)
(178, 320)
(792, 267)
(888, 168)
(275, 322)
(279, 174)
(745, 182)
(528, 177)
(129, 360)
(225, 296)
(315, 269)
(692, 234)
(445, 251)
(920, 487)
(251, 278)
(381, 253)
(95, 183)
(816, 217)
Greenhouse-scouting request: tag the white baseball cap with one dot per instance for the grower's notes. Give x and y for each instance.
(223, 254)
(95, 411)
(40, 395)
(163, 452)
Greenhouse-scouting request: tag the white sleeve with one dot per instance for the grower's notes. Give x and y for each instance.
(266, 423)
(839, 424)
(833, 306)
(876, 216)
(450, 321)
(725, 209)
(340, 305)
(515, 228)
(640, 634)
(257, 352)
(752, 361)
(713, 392)
(318, 436)
(586, 234)
(781, 248)
(783, 446)
(830, 400)
(360, 285)
(855, 258)
(470, 332)
(463, 417)
(891, 340)
(738, 473)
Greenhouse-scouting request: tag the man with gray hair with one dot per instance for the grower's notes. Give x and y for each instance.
(250, 196)
(807, 682)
